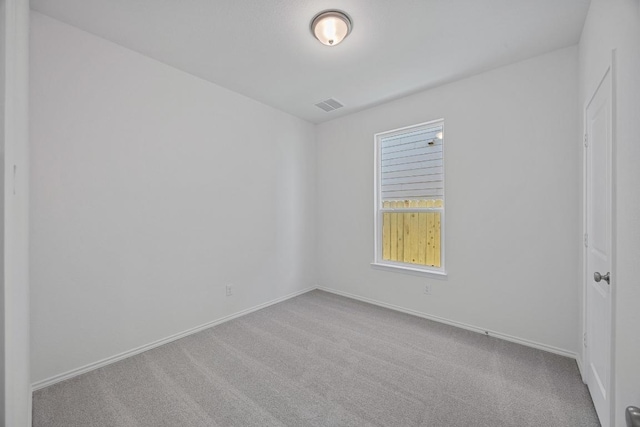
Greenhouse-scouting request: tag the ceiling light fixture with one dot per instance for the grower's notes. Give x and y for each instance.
(330, 27)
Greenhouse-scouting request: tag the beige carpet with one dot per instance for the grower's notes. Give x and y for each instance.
(325, 360)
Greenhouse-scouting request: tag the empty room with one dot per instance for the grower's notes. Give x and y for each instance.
(320, 213)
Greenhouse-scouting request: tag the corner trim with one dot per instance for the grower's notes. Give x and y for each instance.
(579, 363)
(112, 359)
(473, 328)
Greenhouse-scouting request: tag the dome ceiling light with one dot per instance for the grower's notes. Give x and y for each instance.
(330, 27)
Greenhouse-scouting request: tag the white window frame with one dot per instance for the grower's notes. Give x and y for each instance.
(378, 261)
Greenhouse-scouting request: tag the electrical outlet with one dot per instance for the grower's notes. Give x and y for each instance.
(229, 290)
(427, 289)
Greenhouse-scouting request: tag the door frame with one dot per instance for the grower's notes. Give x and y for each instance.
(610, 69)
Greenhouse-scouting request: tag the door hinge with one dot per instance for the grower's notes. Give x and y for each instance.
(584, 339)
(586, 240)
(586, 140)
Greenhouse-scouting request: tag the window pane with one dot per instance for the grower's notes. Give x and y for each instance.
(411, 165)
(410, 193)
(412, 237)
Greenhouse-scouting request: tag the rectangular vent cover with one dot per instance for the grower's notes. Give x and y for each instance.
(329, 105)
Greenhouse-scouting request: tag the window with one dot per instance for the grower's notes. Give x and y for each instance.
(409, 198)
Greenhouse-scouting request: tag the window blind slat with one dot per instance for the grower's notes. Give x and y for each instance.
(412, 194)
(412, 166)
(413, 152)
(400, 199)
(412, 172)
(411, 145)
(412, 179)
(412, 159)
(404, 138)
(412, 186)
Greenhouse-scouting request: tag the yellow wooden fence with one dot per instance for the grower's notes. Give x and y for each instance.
(412, 237)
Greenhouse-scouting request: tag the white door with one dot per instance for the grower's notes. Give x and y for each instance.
(598, 241)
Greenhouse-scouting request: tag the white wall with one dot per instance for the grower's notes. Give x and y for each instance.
(3, 37)
(152, 189)
(15, 140)
(512, 208)
(616, 25)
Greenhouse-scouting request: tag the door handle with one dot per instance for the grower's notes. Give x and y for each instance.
(633, 416)
(598, 277)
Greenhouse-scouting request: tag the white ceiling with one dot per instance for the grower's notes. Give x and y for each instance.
(264, 48)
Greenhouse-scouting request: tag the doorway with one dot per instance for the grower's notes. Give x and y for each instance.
(598, 241)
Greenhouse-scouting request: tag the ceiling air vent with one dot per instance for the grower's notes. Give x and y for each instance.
(329, 105)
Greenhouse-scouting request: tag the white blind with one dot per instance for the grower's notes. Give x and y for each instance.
(412, 165)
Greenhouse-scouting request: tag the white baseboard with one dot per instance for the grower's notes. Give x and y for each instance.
(506, 337)
(579, 362)
(109, 360)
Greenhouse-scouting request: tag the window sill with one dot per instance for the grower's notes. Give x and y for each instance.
(442, 275)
